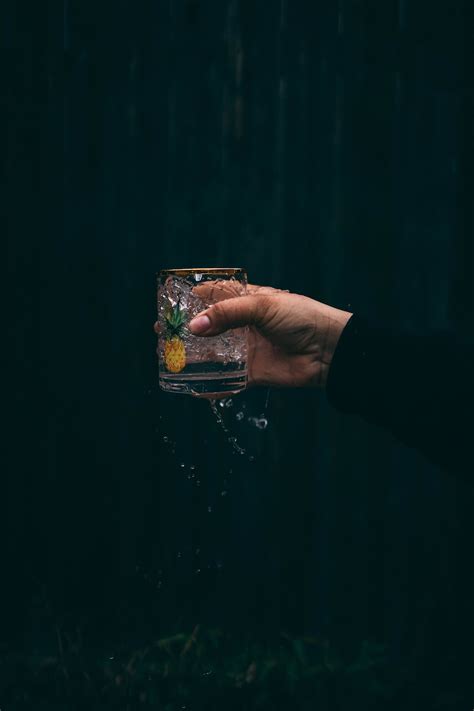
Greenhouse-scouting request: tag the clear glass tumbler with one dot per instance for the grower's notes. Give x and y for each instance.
(211, 366)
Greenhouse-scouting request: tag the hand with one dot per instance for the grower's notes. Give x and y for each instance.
(292, 338)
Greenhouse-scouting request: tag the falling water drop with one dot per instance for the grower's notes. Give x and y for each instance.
(220, 420)
(260, 422)
(267, 399)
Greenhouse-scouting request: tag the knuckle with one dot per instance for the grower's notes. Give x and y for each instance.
(217, 312)
(263, 305)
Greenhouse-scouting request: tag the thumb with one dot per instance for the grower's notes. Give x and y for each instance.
(230, 313)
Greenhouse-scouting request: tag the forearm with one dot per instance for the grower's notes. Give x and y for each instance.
(418, 386)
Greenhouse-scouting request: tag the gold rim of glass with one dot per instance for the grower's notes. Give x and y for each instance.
(224, 271)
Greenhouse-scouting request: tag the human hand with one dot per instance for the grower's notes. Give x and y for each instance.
(292, 338)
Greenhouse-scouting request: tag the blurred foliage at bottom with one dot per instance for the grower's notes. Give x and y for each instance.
(212, 669)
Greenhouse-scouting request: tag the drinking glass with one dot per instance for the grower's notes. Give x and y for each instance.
(213, 366)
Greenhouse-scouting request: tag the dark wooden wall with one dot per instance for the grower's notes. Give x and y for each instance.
(328, 148)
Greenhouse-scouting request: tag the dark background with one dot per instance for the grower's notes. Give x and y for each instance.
(327, 147)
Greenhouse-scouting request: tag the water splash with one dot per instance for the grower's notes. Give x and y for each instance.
(231, 439)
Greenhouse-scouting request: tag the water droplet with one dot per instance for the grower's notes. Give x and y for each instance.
(198, 550)
(111, 657)
(219, 564)
(207, 673)
(198, 483)
(182, 465)
(180, 555)
(192, 467)
(224, 493)
(228, 403)
(209, 509)
(260, 422)
(198, 571)
(251, 458)
(165, 439)
(239, 416)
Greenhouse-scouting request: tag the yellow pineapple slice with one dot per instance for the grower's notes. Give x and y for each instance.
(175, 351)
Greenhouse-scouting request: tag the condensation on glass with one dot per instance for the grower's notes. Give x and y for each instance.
(197, 365)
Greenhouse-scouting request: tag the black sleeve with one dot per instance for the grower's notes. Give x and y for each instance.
(419, 386)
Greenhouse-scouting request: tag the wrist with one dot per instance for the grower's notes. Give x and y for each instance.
(332, 324)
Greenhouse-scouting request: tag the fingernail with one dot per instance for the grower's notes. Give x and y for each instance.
(200, 324)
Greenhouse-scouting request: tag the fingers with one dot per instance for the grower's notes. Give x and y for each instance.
(231, 313)
(218, 290)
(212, 291)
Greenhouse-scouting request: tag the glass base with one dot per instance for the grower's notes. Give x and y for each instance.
(206, 380)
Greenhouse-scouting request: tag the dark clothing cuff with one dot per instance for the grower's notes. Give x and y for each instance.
(419, 386)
